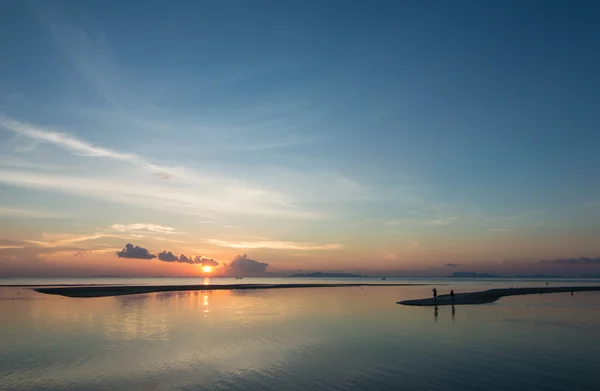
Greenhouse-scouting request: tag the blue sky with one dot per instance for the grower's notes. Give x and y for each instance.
(387, 136)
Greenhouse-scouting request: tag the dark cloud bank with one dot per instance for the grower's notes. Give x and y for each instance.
(240, 266)
(243, 266)
(136, 252)
(167, 256)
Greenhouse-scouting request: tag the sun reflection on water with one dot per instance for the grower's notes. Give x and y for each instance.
(205, 303)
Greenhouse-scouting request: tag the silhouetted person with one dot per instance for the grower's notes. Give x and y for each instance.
(452, 297)
(546, 283)
(571, 292)
(434, 294)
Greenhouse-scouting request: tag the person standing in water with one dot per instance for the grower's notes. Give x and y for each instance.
(452, 296)
(434, 294)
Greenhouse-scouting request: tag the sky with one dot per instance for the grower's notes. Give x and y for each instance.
(382, 138)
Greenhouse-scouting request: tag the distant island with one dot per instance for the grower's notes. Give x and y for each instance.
(325, 275)
(473, 275)
(518, 276)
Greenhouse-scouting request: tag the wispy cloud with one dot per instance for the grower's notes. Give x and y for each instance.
(144, 227)
(192, 191)
(173, 199)
(425, 222)
(184, 181)
(32, 213)
(83, 253)
(515, 217)
(80, 147)
(10, 246)
(275, 245)
(63, 240)
(169, 240)
(390, 256)
(440, 222)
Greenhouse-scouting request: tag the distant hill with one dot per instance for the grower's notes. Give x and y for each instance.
(473, 275)
(326, 275)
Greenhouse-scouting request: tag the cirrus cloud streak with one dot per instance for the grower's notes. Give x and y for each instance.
(275, 245)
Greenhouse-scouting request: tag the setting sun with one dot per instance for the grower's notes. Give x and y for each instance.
(207, 269)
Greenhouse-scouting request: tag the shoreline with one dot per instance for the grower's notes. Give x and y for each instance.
(492, 295)
(121, 290)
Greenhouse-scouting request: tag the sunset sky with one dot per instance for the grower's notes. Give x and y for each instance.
(384, 138)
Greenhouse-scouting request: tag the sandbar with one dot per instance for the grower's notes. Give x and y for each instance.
(106, 290)
(491, 295)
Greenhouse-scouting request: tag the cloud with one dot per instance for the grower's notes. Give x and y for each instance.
(6, 247)
(244, 266)
(434, 222)
(7, 244)
(144, 227)
(184, 259)
(163, 175)
(193, 193)
(174, 199)
(59, 240)
(31, 213)
(275, 245)
(441, 222)
(452, 264)
(205, 261)
(83, 253)
(390, 256)
(575, 261)
(26, 260)
(167, 256)
(77, 146)
(137, 252)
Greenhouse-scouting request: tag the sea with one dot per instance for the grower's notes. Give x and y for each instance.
(342, 338)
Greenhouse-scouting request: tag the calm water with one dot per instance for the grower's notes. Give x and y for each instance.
(300, 339)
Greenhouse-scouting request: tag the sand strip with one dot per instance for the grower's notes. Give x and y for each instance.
(492, 295)
(103, 291)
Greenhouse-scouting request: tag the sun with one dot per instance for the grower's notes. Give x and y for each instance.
(207, 269)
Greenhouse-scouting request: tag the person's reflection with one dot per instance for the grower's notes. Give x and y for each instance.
(435, 313)
(453, 312)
